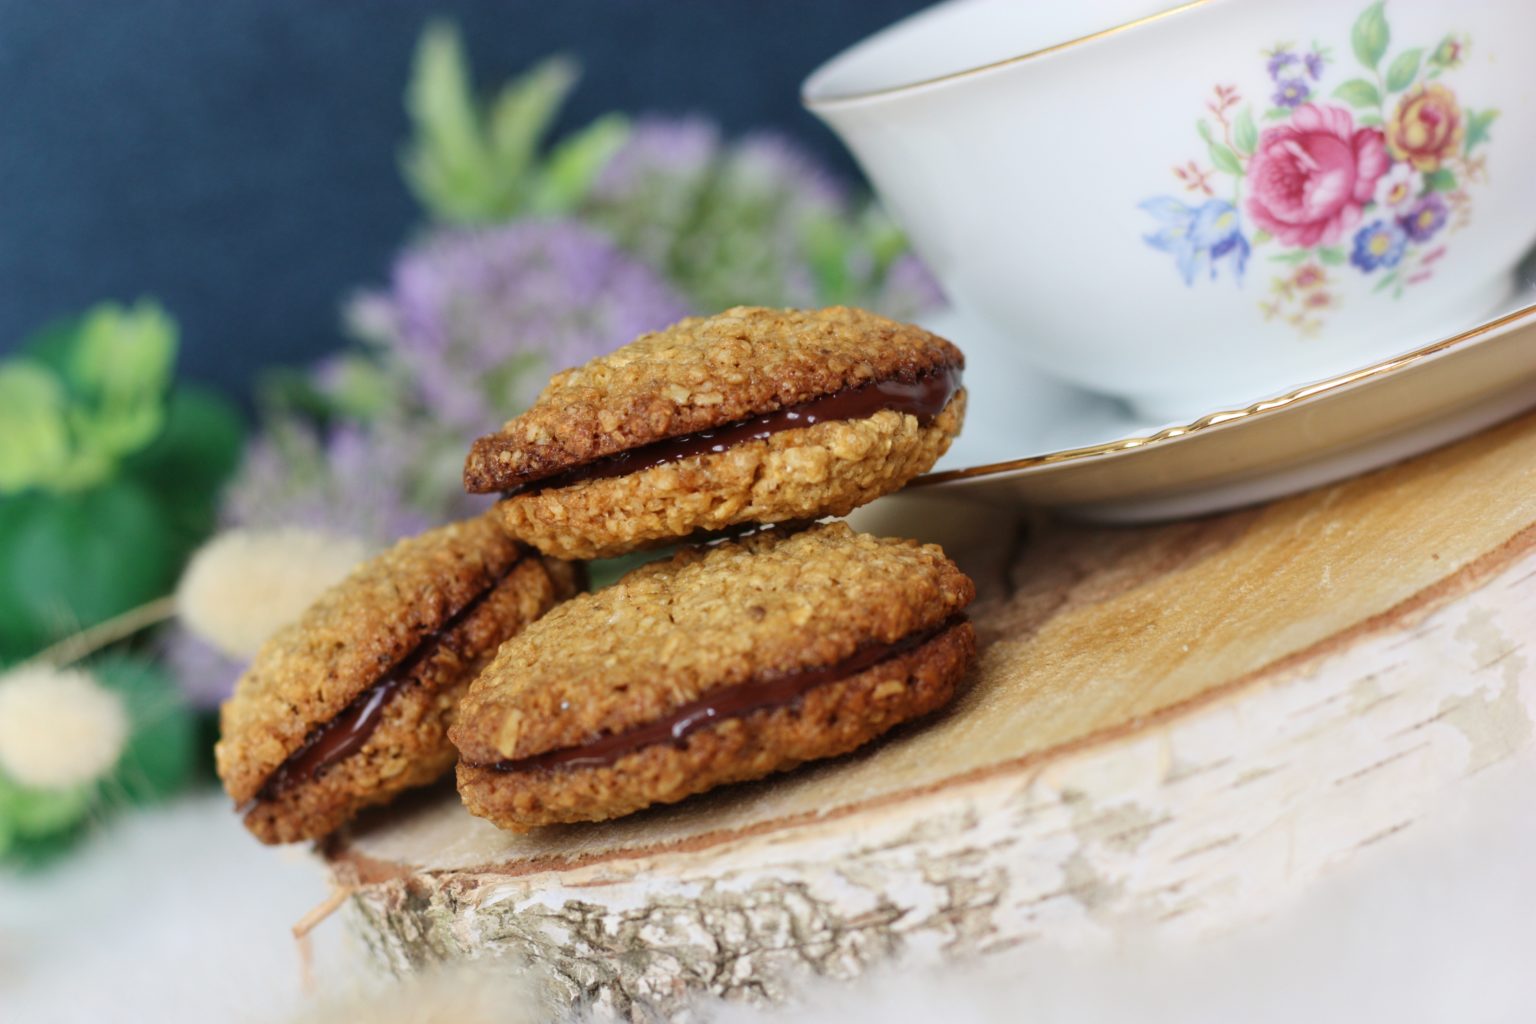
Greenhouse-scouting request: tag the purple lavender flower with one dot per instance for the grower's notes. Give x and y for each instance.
(1425, 217)
(769, 162)
(1315, 63)
(468, 311)
(1292, 92)
(1279, 61)
(725, 223)
(682, 147)
(376, 483)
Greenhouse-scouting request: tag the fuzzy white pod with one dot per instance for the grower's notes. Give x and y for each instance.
(243, 585)
(59, 728)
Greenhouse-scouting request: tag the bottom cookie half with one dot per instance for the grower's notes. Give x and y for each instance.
(829, 720)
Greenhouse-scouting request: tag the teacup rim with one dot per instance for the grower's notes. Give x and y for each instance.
(840, 99)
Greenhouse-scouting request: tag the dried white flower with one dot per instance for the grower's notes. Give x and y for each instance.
(58, 727)
(243, 585)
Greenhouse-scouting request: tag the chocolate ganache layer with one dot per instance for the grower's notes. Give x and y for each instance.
(351, 729)
(769, 691)
(923, 396)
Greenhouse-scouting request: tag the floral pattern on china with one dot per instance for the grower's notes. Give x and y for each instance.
(1369, 179)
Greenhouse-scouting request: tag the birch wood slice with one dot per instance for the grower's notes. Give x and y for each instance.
(1174, 727)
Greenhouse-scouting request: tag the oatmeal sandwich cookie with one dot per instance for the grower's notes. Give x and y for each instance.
(719, 665)
(750, 416)
(350, 704)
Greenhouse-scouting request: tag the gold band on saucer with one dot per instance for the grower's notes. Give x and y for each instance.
(1216, 419)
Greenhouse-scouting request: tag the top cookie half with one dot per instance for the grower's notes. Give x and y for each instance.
(752, 415)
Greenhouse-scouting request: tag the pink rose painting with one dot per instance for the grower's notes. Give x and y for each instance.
(1310, 179)
(1367, 174)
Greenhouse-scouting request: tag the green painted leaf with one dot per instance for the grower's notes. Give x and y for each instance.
(1442, 180)
(1225, 159)
(1386, 282)
(1331, 256)
(1477, 127)
(1261, 236)
(1368, 120)
(1244, 133)
(1205, 132)
(1403, 70)
(1371, 36)
(1293, 257)
(1276, 114)
(1358, 92)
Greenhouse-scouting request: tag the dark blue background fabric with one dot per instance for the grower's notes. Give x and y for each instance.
(237, 158)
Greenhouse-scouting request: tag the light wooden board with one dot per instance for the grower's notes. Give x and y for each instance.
(1174, 726)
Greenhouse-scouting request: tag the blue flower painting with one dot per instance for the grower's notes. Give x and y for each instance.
(1379, 244)
(1201, 238)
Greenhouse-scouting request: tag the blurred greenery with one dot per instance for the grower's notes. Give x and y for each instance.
(162, 756)
(108, 475)
(164, 749)
(474, 162)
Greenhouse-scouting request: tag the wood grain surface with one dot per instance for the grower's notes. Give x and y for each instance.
(1174, 726)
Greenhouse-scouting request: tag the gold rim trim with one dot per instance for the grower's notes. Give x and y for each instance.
(1217, 419)
(949, 76)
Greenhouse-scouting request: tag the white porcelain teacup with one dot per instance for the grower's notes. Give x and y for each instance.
(1193, 206)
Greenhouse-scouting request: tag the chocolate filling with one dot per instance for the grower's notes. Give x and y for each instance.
(924, 396)
(351, 729)
(731, 702)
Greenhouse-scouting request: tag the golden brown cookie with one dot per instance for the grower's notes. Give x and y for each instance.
(718, 665)
(750, 416)
(350, 704)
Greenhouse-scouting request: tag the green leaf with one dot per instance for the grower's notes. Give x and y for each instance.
(162, 750)
(1276, 114)
(187, 464)
(71, 560)
(1368, 120)
(34, 438)
(1403, 70)
(1205, 132)
(1261, 236)
(448, 162)
(1293, 257)
(575, 163)
(28, 813)
(1244, 133)
(1331, 256)
(518, 120)
(1358, 92)
(120, 367)
(1477, 127)
(1440, 180)
(1371, 36)
(1386, 282)
(1225, 159)
(827, 242)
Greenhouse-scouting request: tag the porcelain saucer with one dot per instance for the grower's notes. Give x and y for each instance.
(1090, 457)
